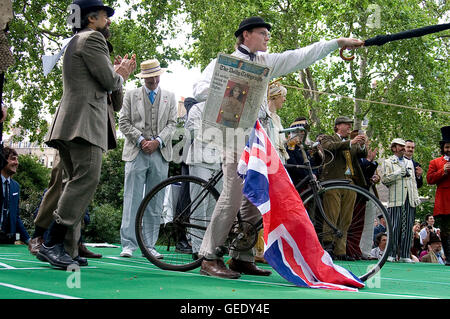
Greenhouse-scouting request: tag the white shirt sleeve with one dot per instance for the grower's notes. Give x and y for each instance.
(201, 87)
(294, 60)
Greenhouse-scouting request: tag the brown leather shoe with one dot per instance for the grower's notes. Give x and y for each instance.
(217, 268)
(84, 252)
(34, 244)
(248, 268)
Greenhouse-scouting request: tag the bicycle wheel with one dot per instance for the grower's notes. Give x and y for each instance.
(179, 208)
(350, 233)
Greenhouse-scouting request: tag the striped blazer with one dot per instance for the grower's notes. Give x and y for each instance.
(398, 185)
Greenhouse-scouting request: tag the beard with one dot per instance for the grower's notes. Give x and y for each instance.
(105, 31)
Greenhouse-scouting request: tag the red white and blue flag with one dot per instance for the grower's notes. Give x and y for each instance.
(291, 245)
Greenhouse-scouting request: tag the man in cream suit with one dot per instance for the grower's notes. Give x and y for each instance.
(400, 179)
(148, 121)
(80, 127)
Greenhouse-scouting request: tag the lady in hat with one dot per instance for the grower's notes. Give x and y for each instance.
(439, 174)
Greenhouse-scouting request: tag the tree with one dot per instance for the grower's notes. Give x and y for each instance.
(39, 27)
(413, 72)
(33, 178)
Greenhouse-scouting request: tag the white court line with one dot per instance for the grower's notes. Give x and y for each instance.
(39, 292)
(6, 266)
(250, 281)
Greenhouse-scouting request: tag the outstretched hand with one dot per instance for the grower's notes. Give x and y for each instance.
(350, 43)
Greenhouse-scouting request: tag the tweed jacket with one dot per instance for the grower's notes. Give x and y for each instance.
(337, 167)
(436, 176)
(132, 121)
(88, 76)
(399, 187)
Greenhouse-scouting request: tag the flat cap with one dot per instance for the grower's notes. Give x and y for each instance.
(343, 119)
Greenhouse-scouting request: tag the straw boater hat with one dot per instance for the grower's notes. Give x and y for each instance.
(150, 68)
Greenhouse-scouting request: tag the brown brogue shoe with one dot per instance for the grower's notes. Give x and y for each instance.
(217, 268)
(86, 253)
(248, 268)
(34, 244)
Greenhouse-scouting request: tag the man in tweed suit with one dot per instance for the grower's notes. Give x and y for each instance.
(80, 127)
(339, 204)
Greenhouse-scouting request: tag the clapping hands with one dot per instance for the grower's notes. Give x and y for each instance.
(125, 66)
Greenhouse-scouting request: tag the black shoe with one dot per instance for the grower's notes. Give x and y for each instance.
(56, 256)
(183, 247)
(81, 261)
(345, 257)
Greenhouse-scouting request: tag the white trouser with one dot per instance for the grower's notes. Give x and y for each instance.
(366, 243)
(143, 173)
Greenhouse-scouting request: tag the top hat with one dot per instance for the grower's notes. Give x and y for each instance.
(445, 131)
(398, 141)
(343, 119)
(251, 23)
(93, 5)
(150, 68)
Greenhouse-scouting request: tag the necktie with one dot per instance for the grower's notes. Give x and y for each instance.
(6, 199)
(5, 207)
(151, 96)
(250, 54)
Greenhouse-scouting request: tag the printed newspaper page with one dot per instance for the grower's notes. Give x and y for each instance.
(235, 95)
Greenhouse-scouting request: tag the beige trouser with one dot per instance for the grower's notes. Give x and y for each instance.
(231, 200)
(82, 162)
(338, 205)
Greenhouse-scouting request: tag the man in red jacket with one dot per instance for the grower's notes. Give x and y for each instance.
(439, 174)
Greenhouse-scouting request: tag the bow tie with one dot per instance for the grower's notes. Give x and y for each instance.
(250, 54)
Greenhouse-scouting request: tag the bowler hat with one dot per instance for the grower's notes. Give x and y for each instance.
(93, 5)
(251, 23)
(434, 238)
(343, 119)
(150, 68)
(445, 131)
(398, 141)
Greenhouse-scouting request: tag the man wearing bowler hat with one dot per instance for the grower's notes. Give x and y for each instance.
(398, 176)
(252, 38)
(439, 174)
(339, 204)
(148, 121)
(80, 127)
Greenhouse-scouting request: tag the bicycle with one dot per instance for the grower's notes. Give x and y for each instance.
(194, 217)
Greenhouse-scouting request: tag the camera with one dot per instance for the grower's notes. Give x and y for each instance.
(429, 227)
(407, 174)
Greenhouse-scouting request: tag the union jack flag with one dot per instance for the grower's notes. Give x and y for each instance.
(291, 245)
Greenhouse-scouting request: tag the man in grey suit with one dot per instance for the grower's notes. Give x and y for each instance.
(80, 127)
(148, 121)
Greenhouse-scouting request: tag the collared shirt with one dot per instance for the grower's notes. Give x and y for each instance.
(3, 183)
(147, 90)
